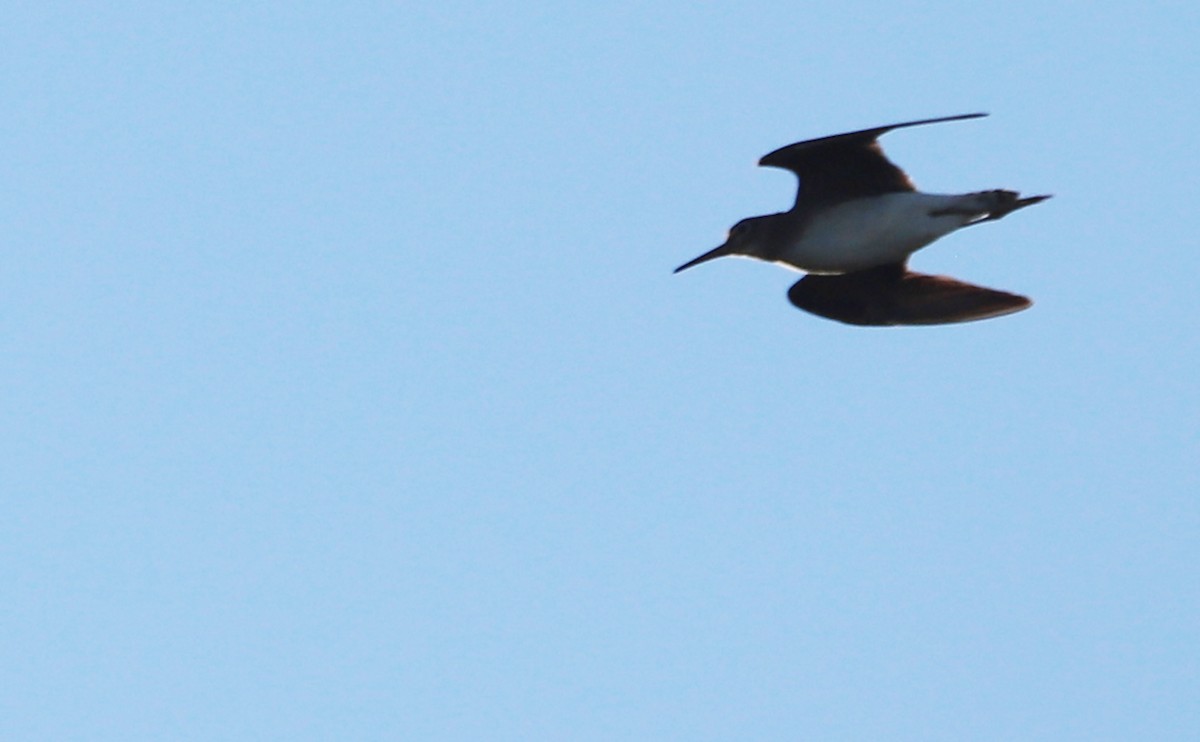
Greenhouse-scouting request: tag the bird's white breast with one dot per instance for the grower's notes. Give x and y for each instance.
(872, 231)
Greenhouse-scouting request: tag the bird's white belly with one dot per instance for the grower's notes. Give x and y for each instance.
(873, 231)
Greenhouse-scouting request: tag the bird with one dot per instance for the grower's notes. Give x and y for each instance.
(856, 220)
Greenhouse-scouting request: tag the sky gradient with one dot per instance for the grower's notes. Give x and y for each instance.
(349, 393)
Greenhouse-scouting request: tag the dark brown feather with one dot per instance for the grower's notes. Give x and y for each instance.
(893, 295)
(846, 166)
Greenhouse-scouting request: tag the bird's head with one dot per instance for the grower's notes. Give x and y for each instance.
(745, 238)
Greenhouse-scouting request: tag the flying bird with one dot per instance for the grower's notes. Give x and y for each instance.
(856, 220)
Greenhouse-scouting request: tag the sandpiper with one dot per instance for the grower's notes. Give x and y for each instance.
(856, 220)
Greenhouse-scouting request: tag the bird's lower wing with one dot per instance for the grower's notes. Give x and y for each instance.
(892, 295)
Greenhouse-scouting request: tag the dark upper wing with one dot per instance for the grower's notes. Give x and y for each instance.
(893, 295)
(847, 165)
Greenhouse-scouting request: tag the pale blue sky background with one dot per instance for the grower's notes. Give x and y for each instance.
(348, 393)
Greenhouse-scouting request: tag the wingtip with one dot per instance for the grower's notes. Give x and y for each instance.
(959, 117)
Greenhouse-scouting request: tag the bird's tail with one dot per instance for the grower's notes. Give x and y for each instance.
(1006, 202)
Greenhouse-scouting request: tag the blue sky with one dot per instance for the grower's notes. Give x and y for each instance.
(349, 393)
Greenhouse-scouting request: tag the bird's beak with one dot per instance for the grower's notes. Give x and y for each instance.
(716, 252)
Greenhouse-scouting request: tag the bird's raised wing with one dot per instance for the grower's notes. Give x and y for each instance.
(845, 166)
(893, 295)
